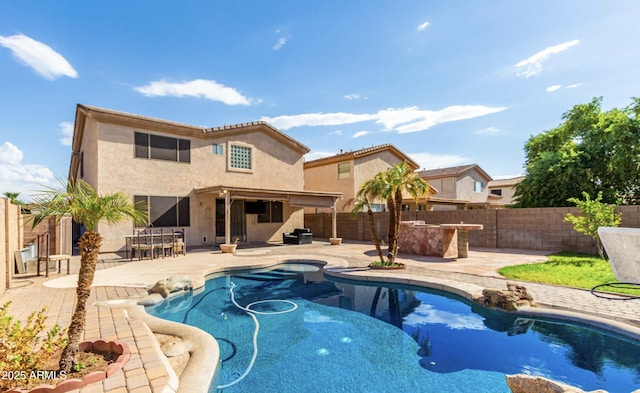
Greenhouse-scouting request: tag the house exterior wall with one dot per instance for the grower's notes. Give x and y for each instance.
(465, 187)
(110, 166)
(325, 178)
(507, 196)
(437, 183)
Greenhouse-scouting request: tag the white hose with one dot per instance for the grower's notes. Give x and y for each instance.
(252, 314)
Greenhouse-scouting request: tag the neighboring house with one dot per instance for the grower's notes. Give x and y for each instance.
(501, 191)
(459, 187)
(345, 173)
(243, 181)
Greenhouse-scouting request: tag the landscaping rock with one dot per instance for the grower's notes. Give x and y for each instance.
(523, 383)
(510, 299)
(170, 285)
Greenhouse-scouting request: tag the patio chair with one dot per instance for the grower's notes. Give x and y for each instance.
(298, 236)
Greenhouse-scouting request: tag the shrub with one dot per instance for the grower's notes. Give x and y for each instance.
(595, 214)
(23, 349)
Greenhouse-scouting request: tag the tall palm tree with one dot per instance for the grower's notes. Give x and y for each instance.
(398, 179)
(389, 186)
(81, 202)
(366, 194)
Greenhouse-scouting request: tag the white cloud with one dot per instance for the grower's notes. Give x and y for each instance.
(573, 86)
(10, 154)
(533, 65)
(423, 26)
(413, 120)
(432, 161)
(66, 129)
(18, 177)
(360, 133)
(316, 119)
(488, 130)
(336, 132)
(402, 120)
(200, 88)
(40, 57)
(280, 43)
(553, 88)
(352, 96)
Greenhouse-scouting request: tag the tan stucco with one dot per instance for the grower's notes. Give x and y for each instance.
(109, 165)
(324, 175)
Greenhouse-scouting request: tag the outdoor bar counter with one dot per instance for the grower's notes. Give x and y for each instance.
(444, 240)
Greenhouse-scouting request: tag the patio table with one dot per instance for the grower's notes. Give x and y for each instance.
(463, 236)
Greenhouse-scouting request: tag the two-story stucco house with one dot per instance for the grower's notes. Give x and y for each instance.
(242, 181)
(459, 187)
(345, 173)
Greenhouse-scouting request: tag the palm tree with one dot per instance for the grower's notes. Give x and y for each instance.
(367, 193)
(389, 186)
(80, 201)
(13, 197)
(400, 178)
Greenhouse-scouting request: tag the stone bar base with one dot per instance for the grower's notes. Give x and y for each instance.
(418, 238)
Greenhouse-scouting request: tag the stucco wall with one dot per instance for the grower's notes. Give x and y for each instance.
(113, 168)
(465, 186)
(325, 178)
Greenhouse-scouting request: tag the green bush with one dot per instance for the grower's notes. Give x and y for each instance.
(23, 349)
(595, 214)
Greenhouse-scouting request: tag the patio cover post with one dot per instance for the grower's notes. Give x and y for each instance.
(334, 224)
(227, 217)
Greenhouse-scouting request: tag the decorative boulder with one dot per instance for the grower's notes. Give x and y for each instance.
(170, 285)
(179, 283)
(523, 383)
(510, 299)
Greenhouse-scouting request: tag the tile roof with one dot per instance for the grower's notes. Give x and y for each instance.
(506, 182)
(450, 171)
(362, 153)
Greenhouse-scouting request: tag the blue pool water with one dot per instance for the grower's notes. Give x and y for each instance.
(332, 336)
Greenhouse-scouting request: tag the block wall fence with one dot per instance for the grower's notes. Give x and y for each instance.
(528, 229)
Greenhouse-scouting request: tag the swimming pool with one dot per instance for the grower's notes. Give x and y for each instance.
(333, 336)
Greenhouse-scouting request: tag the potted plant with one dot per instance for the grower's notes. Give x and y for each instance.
(230, 248)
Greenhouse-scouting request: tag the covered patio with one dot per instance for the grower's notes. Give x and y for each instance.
(294, 198)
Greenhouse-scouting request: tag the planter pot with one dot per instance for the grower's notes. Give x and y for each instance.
(335, 241)
(118, 347)
(228, 248)
(397, 266)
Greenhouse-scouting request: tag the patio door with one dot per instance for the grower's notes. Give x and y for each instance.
(238, 220)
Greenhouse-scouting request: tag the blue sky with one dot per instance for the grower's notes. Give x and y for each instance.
(449, 83)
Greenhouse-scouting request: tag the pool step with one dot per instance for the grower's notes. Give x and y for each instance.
(271, 275)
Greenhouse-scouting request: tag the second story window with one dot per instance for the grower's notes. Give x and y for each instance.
(162, 147)
(447, 185)
(497, 191)
(240, 157)
(478, 186)
(217, 149)
(344, 170)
